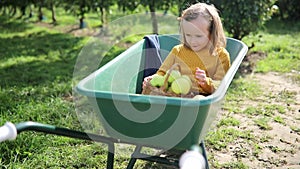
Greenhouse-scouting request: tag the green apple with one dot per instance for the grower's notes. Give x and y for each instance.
(174, 75)
(181, 86)
(187, 78)
(157, 80)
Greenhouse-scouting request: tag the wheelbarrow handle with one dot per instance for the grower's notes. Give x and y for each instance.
(8, 132)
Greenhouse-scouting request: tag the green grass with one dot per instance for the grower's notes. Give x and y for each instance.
(281, 46)
(36, 68)
(278, 119)
(230, 121)
(221, 138)
(231, 165)
(264, 110)
(263, 123)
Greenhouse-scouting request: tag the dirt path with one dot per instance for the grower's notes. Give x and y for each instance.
(278, 145)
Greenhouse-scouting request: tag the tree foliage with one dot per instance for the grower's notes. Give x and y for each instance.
(241, 17)
(102, 6)
(289, 9)
(129, 5)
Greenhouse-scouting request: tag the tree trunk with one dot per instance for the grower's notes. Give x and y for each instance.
(102, 15)
(40, 16)
(53, 12)
(81, 22)
(30, 12)
(23, 11)
(153, 17)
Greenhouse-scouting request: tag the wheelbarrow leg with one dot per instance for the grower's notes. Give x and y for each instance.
(133, 158)
(202, 145)
(110, 156)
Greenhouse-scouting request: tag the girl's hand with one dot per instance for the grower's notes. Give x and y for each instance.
(146, 79)
(203, 81)
(201, 77)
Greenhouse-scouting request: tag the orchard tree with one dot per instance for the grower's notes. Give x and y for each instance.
(22, 5)
(51, 4)
(129, 5)
(79, 8)
(289, 9)
(102, 6)
(242, 17)
(183, 4)
(48, 4)
(14, 6)
(40, 4)
(153, 5)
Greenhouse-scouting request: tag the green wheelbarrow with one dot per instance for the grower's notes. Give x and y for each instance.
(169, 123)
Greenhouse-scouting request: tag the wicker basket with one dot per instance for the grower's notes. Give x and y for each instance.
(162, 91)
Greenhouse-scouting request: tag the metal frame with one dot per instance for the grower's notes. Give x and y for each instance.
(50, 129)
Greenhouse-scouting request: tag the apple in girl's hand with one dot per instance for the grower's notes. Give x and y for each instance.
(157, 80)
(181, 86)
(173, 75)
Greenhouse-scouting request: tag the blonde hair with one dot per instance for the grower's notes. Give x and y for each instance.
(209, 12)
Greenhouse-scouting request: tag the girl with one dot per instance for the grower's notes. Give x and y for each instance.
(202, 54)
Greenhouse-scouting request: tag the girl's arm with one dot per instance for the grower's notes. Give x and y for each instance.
(209, 85)
(167, 63)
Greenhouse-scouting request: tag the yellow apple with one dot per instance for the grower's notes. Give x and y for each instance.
(181, 86)
(188, 78)
(157, 80)
(173, 75)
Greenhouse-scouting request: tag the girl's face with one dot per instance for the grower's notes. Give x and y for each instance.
(196, 33)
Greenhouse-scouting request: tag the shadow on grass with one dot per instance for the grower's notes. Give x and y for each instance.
(37, 58)
(8, 25)
(277, 26)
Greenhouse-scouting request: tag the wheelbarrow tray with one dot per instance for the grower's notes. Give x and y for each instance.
(159, 121)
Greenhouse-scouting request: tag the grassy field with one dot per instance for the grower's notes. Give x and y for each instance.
(36, 68)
